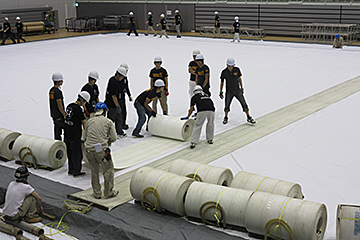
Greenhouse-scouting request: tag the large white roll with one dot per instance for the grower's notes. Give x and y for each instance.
(171, 127)
(7, 139)
(204, 201)
(162, 190)
(202, 172)
(255, 182)
(40, 151)
(299, 219)
(348, 222)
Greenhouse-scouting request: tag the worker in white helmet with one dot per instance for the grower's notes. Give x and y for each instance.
(236, 27)
(178, 21)
(7, 31)
(158, 72)
(112, 100)
(191, 69)
(216, 30)
(92, 88)
(202, 74)
(124, 90)
(57, 109)
(74, 123)
(150, 23)
(19, 27)
(164, 26)
(234, 88)
(142, 105)
(206, 110)
(132, 24)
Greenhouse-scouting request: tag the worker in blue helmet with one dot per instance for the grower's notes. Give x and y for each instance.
(98, 135)
(338, 41)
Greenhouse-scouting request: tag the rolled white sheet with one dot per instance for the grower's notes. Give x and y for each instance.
(171, 127)
(40, 151)
(204, 201)
(7, 140)
(281, 216)
(348, 222)
(160, 189)
(202, 172)
(255, 182)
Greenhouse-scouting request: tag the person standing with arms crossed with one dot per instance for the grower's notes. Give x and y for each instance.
(178, 21)
(99, 134)
(202, 74)
(150, 23)
(57, 110)
(234, 88)
(112, 100)
(156, 73)
(93, 90)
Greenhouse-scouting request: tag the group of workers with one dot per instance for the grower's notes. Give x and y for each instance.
(162, 22)
(7, 31)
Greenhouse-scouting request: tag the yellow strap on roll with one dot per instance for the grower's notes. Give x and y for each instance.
(216, 215)
(197, 170)
(146, 203)
(260, 184)
(353, 219)
(280, 223)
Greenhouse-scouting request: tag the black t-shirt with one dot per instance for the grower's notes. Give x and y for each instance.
(113, 88)
(201, 71)
(19, 26)
(124, 88)
(193, 66)
(74, 116)
(163, 24)
(236, 26)
(151, 20)
(150, 93)
(217, 21)
(94, 95)
(177, 19)
(232, 78)
(132, 21)
(160, 73)
(55, 94)
(203, 102)
(7, 25)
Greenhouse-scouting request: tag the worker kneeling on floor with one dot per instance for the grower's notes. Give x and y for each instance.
(99, 134)
(21, 200)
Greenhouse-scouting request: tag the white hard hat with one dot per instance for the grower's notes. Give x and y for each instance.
(196, 52)
(85, 95)
(159, 83)
(149, 13)
(124, 65)
(216, 12)
(199, 57)
(131, 13)
(17, 18)
(57, 77)
(94, 75)
(176, 11)
(230, 61)
(197, 89)
(6, 19)
(122, 71)
(236, 18)
(157, 59)
(162, 15)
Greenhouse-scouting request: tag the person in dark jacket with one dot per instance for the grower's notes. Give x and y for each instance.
(132, 24)
(7, 31)
(19, 27)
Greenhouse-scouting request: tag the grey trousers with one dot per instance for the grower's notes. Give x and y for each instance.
(164, 100)
(152, 29)
(200, 119)
(95, 159)
(236, 37)
(163, 32)
(177, 27)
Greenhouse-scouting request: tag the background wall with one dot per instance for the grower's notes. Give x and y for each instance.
(65, 8)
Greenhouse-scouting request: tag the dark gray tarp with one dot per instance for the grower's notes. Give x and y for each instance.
(128, 221)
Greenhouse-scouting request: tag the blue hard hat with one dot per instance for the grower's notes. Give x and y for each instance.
(337, 35)
(100, 105)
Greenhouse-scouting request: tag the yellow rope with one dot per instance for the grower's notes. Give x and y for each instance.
(65, 226)
(280, 223)
(260, 184)
(146, 203)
